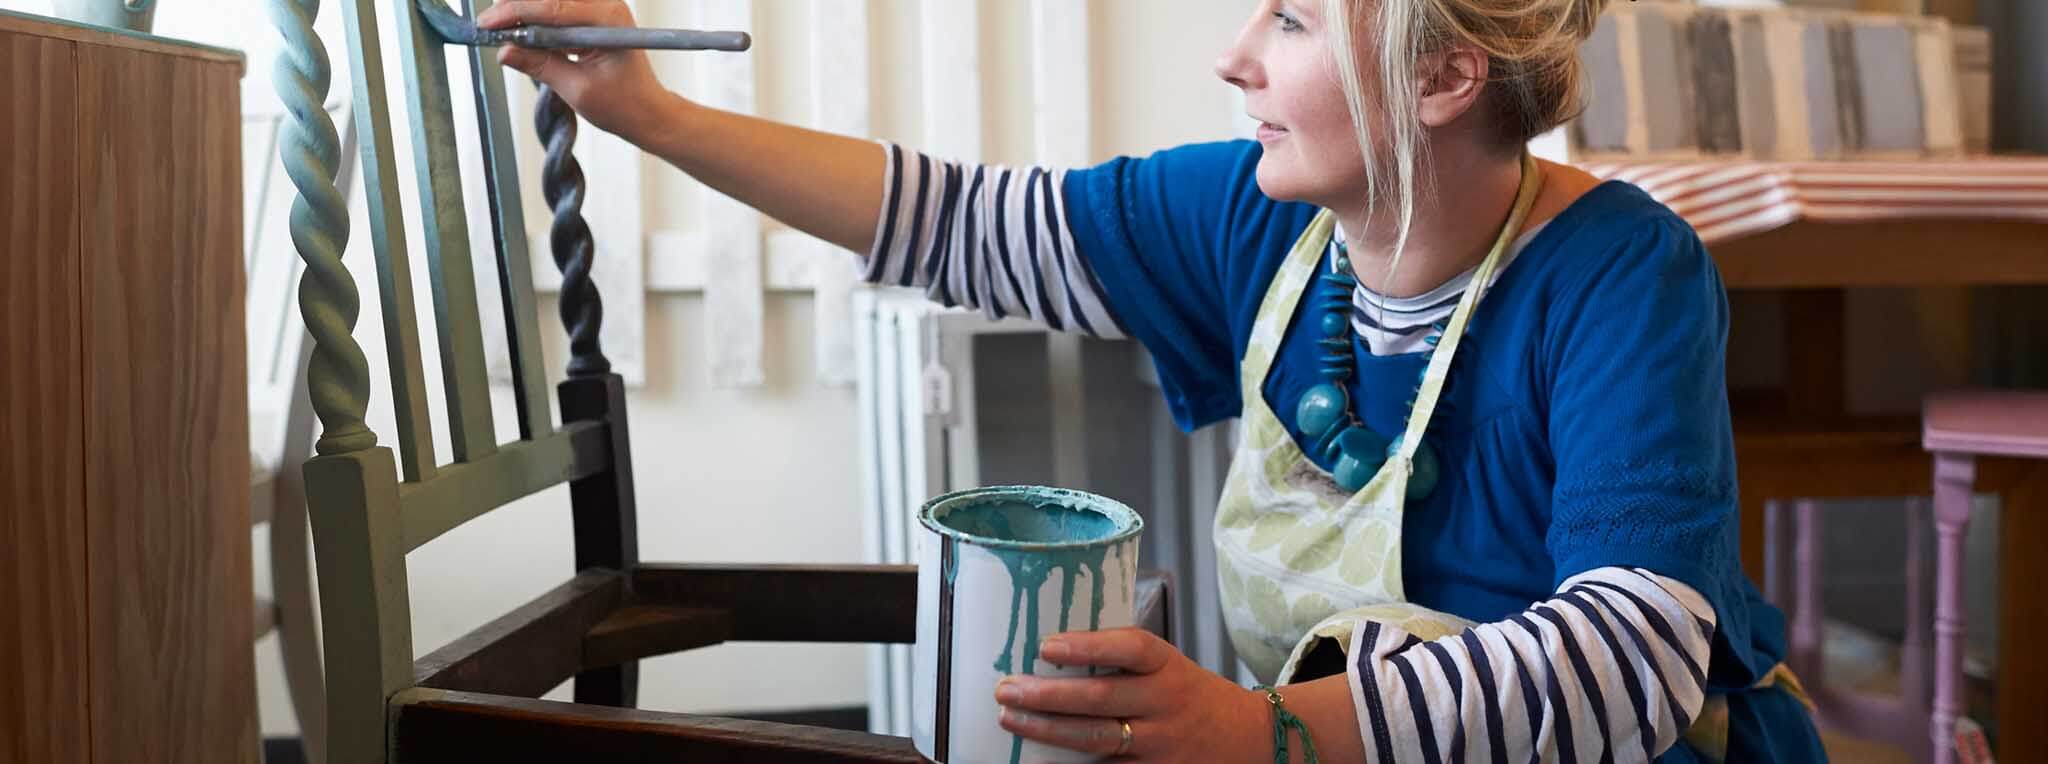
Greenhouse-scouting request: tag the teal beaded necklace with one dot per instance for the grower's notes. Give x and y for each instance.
(1324, 411)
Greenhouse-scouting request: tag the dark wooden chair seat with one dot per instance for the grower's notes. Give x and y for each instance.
(475, 697)
(475, 700)
(434, 725)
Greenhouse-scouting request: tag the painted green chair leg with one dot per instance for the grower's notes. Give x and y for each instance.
(367, 625)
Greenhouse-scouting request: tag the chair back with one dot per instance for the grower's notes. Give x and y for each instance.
(369, 504)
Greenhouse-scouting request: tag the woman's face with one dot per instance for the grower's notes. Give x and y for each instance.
(1291, 86)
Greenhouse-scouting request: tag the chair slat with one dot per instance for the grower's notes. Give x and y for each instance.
(793, 603)
(464, 492)
(463, 372)
(436, 726)
(830, 603)
(530, 650)
(515, 273)
(387, 235)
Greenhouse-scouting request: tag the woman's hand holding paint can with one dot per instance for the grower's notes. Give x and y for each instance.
(1176, 710)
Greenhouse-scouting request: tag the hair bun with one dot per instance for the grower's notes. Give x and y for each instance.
(1581, 16)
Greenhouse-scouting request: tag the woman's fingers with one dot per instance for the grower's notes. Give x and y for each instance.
(1078, 733)
(613, 90)
(533, 63)
(1118, 696)
(553, 13)
(1134, 650)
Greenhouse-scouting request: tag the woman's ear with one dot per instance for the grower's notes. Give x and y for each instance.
(1451, 83)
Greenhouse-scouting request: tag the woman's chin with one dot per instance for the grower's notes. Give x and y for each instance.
(1281, 182)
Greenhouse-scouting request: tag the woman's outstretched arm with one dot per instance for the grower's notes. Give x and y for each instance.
(989, 238)
(827, 185)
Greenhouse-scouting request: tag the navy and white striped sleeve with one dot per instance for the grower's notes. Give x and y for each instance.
(990, 238)
(1611, 668)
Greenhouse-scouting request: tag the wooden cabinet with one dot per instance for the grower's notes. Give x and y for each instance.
(125, 601)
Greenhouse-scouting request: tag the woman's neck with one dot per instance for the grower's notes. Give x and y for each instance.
(1455, 224)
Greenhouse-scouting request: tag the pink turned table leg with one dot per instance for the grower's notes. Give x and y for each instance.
(1954, 475)
(1777, 556)
(1808, 614)
(1916, 655)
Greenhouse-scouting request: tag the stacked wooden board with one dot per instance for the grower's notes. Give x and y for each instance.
(1677, 81)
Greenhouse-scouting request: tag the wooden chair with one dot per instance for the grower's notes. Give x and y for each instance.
(474, 699)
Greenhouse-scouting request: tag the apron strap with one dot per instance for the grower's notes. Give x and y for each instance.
(1281, 297)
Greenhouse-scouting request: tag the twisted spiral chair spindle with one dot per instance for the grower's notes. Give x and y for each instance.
(574, 250)
(338, 378)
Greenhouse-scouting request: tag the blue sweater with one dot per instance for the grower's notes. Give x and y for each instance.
(1585, 424)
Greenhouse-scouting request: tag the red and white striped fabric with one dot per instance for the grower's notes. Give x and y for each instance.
(1729, 199)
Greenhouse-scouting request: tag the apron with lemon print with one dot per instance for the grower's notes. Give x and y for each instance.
(1297, 559)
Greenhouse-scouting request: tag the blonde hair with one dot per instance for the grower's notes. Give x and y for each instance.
(1533, 76)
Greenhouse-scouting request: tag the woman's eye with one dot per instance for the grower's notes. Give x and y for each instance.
(1287, 23)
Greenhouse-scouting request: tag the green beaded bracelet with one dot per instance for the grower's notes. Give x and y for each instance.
(1283, 721)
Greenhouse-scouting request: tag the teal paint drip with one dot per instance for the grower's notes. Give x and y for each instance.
(1030, 569)
(953, 572)
(1066, 598)
(1095, 603)
(1027, 573)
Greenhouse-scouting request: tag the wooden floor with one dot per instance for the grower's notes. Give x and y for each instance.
(1862, 751)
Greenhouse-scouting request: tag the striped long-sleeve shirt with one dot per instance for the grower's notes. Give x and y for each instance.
(995, 239)
(991, 238)
(1611, 668)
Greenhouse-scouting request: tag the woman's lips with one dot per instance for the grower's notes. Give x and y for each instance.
(1270, 132)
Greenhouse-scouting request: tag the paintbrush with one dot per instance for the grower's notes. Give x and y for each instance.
(456, 29)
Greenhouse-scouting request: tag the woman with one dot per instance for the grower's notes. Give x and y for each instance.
(1495, 533)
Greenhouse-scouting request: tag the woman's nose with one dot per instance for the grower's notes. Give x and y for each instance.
(1230, 67)
(1237, 65)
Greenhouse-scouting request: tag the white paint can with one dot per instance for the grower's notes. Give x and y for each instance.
(998, 569)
